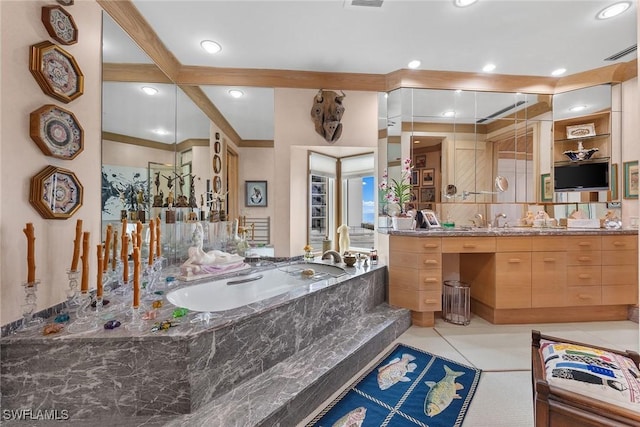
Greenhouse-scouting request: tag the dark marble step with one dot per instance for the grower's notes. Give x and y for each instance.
(285, 394)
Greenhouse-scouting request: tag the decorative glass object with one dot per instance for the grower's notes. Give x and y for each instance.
(29, 306)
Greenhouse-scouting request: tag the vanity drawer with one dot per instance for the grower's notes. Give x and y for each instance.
(584, 275)
(415, 260)
(620, 275)
(415, 280)
(415, 244)
(463, 245)
(513, 280)
(619, 257)
(513, 244)
(585, 258)
(617, 243)
(416, 300)
(620, 294)
(548, 278)
(584, 243)
(584, 295)
(544, 243)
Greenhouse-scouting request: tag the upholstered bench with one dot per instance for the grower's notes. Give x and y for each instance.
(576, 384)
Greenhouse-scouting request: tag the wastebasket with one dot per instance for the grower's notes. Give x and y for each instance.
(456, 302)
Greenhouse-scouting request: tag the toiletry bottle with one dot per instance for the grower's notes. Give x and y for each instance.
(373, 255)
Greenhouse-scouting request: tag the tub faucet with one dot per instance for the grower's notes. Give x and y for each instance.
(337, 259)
(496, 222)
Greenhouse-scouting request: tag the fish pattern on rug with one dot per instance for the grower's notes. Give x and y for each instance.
(408, 387)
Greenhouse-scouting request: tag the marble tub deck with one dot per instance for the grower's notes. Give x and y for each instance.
(289, 350)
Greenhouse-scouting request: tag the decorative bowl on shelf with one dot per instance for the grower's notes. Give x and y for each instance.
(580, 154)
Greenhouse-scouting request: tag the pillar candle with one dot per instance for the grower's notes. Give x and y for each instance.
(136, 277)
(107, 244)
(99, 270)
(76, 246)
(152, 238)
(158, 242)
(115, 249)
(125, 259)
(84, 284)
(31, 257)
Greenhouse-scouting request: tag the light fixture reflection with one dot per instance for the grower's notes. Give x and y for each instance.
(464, 3)
(489, 68)
(210, 46)
(613, 10)
(449, 113)
(149, 90)
(558, 72)
(578, 108)
(414, 64)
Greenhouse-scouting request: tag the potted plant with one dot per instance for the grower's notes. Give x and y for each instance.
(398, 192)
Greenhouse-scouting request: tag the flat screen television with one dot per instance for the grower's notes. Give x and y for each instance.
(578, 176)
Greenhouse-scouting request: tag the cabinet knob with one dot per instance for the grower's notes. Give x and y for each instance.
(514, 260)
(584, 244)
(549, 260)
(468, 245)
(585, 259)
(430, 280)
(430, 261)
(617, 243)
(429, 301)
(430, 246)
(584, 296)
(584, 276)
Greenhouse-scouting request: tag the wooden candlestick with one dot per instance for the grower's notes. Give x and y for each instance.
(31, 257)
(136, 277)
(115, 250)
(152, 238)
(125, 259)
(107, 243)
(158, 242)
(84, 284)
(99, 275)
(138, 242)
(76, 246)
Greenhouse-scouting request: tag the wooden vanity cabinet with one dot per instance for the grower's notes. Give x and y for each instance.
(513, 272)
(584, 272)
(548, 271)
(619, 269)
(415, 276)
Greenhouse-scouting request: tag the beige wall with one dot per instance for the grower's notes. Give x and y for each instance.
(20, 158)
(294, 134)
(630, 136)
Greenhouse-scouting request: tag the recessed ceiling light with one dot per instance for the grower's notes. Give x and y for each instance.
(414, 64)
(558, 72)
(464, 3)
(235, 93)
(161, 132)
(613, 10)
(449, 113)
(489, 68)
(458, 91)
(149, 90)
(578, 108)
(210, 46)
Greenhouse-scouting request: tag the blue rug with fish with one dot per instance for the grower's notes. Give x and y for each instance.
(409, 387)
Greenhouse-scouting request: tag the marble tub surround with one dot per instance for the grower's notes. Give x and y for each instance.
(145, 374)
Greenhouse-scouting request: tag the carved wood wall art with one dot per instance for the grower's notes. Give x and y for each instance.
(56, 71)
(326, 112)
(59, 24)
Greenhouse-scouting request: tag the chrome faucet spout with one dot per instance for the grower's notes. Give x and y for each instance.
(331, 254)
(480, 218)
(496, 220)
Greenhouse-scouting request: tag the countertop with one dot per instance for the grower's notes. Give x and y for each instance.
(508, 231)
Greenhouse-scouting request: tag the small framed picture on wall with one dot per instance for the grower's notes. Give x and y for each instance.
(255, 193)
(428, 177)
(421, 161)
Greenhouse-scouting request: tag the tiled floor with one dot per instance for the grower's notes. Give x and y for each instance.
(504, 396)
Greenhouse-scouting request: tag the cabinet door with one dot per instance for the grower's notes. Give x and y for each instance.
(513, 280)
(548, 279)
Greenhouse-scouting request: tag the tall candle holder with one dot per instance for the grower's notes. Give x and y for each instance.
(29, 306)
(72, 292)
(85, 320)
(136, 323)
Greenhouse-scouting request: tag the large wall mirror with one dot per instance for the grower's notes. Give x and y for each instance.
(466, 140)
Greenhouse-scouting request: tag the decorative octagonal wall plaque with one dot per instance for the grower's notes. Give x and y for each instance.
(59, 24)
(65, 2)
(56, 71)
(56, 131)
(55, 193)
